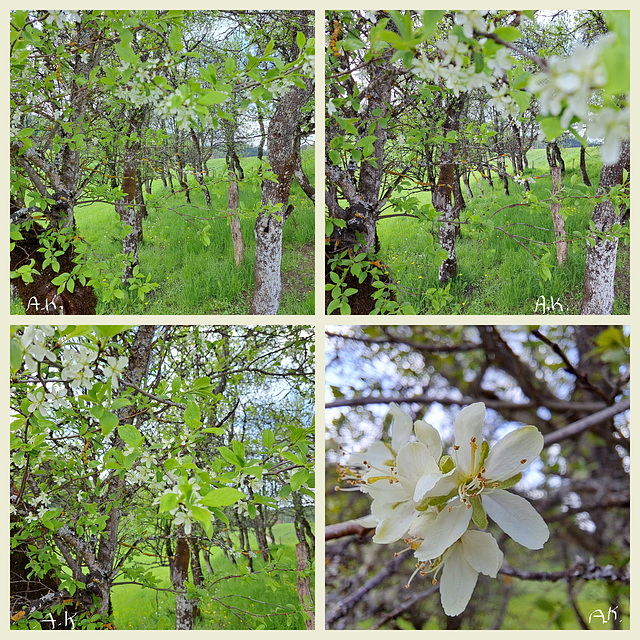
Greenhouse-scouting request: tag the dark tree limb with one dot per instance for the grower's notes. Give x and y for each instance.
(586, 423)
(582, 570)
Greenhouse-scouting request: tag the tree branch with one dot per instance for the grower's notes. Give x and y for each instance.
(348, 528)
(582, 570)
(586, 423)
(555, 405)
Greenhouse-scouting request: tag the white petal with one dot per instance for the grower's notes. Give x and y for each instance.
(513, 453)
(517, 518)
(481, 551)
(444, 486)
(450, 524)
(378, 455)
(416, 466)
(422, 524)
(395, 520)
(430, 437)
(469, 425)
(457, 583)
(401, 428)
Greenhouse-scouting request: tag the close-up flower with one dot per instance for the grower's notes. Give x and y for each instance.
(479, 480)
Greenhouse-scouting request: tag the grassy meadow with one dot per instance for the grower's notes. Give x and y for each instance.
(267, 599)
(194, 278)
(495, 274)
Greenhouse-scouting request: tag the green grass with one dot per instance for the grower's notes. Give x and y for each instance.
(194, 278)
(266, 597)
(495, 274)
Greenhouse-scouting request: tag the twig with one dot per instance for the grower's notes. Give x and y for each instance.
(552, 405)
(347, 605)
(405, 606)
(580, 571)
(569, 367)
(342, 529)
(586, 423)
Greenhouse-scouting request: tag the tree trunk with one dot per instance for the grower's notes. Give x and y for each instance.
(179, 571)
(260, 530)
(467, 186)
(199, 167)
(300, 175)
(458, 199)
(234, 219)
(126, 209)
(283, 128)
(303, 587)
(601, 257)
(558, 220)
(132, 193)
(182, 178)
(583, 166)
(441, 196)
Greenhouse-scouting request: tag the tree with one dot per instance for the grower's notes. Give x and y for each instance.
(283, 155)
(389, 67)
(135, 442)
(571, 383)
(134, 79)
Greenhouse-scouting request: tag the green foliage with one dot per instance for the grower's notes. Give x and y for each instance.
(88, 461)
(496, 274)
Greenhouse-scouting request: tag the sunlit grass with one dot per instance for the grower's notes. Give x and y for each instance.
(262, 598)
(194, 278)
(495, 273)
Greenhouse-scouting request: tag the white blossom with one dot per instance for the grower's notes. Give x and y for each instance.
(38, 401)
(470, 20)
(453, 49)
(115, 369)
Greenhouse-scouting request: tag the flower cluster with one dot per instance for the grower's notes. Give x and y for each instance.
(432, 500)
(455, 65)
(568, 90)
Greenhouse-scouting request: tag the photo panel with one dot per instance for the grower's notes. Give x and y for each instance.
(477, 477)
(477, 162)
(162, 477)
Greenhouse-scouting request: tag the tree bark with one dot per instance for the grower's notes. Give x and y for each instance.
(601, 257)
(583, 166)
(199, 167)
(128, 208)
(283, 128)
(442, 192)
(234, 219)
(558, 220)
(303, 587)
(179, 571)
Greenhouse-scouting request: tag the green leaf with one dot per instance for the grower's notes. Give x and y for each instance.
(168, 502)
(125, 52)
(213, 97)
(238, 449)
(298, 479)
(229, 456)
(552, 128)
(478, 515)
(300, 40)
(334, 156)
(222, 497)
(15, 356)
(130, 435)
(268, 438)
(508, 34)
(192, 415)
(108, 422)
(175, 39)
(109, 330)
